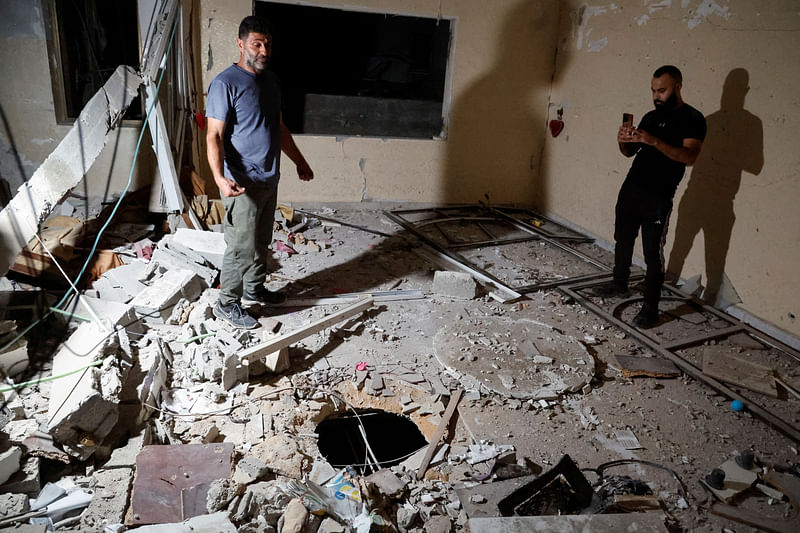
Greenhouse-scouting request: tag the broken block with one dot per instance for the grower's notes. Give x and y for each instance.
(210, 245)
(154, 304)
(9, 462)
(83, 408)
(454, 284)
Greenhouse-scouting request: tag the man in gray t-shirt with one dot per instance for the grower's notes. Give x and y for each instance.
(245, 136)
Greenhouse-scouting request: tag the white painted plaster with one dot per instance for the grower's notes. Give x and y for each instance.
(706, 9)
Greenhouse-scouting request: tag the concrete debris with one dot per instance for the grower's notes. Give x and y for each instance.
(83, 409)
(13, 504)
(9, 462)
(14, 357)
(294, 518)
(386, 482)
(208, 244)
(26, 480)
(221, 492)
(154, 304)
(282, 455)
(66, 166)
(455, 284)
(122, 283)
(111, 490)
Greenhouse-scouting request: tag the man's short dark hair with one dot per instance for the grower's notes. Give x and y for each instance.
(672, 71)
(253, 24)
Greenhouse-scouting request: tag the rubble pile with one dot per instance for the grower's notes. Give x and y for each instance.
(156, 416)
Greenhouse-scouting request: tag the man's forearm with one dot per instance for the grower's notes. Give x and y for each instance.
(681, 154)
(629, 149)
(289, 147)
(215, 151)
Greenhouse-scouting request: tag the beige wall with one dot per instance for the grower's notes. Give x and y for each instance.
(30, 132)
(504, 88)
(502, 65)
(613, 50)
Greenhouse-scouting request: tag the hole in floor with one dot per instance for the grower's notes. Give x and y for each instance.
(392, 438)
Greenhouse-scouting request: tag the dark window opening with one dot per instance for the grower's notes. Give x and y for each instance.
(355, 73)
(93, 38)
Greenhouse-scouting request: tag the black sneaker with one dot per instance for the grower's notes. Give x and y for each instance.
(611, 289)
(235, 316)
(264, 297)
(647, 317)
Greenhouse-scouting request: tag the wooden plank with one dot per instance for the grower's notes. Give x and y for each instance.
(721, 365)
(448, 414)
(273, 345)
(653, 367)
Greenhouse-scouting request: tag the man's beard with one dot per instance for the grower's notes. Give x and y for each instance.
(670, 102)
(253, 64)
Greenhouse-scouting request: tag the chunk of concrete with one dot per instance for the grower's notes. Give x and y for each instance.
(13, 504)
(221, 492)
(294, 518)
(26, 480)
(269, 498)
(249, 469)
(83, 408)
(386, 482)
(66, 166)
(14, 359)
(9, 462)
(154, 304)
(454, 284)
(209, 244)
(110, 499)
(277, 362)
(123, 283)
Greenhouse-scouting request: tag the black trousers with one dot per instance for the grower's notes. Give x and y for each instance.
(637, 209)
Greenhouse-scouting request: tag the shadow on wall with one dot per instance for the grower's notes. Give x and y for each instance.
(8, 182)
(495, 137)
(734, 144)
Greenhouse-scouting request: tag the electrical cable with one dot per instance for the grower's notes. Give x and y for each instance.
(116, 206)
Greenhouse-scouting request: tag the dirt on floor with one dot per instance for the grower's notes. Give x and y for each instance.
(540, 378)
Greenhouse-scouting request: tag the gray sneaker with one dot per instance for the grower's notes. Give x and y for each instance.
(235, 316)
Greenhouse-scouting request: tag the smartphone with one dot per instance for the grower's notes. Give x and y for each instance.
(627, 119)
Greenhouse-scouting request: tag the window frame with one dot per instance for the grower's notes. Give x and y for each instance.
(447, 93)
(55, 61)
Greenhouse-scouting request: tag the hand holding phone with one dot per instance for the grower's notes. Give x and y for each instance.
(626, 130)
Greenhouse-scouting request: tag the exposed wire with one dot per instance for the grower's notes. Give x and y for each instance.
(24, 384)
(116, 206)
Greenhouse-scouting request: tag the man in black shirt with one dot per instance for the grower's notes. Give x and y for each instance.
(667, 140)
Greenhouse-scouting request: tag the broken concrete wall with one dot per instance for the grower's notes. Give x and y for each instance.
(66, 165)
(735, 214)
(499, 73)
(28, 127)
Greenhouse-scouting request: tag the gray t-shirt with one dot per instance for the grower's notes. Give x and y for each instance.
(250, 106)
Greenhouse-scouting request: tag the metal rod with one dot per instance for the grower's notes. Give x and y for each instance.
(777, 422)
(697, 339)
(454, 257)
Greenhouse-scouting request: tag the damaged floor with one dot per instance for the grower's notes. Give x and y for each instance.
(509, 389)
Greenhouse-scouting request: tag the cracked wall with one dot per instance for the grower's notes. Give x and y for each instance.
(735, 216)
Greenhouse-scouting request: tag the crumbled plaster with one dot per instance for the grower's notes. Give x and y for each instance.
(580, 22)
(658, 6)
(706, 9)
